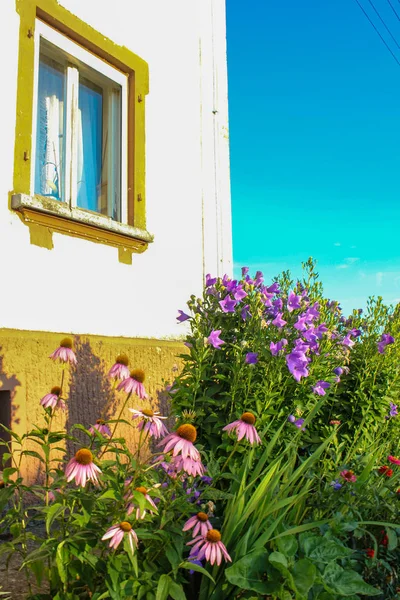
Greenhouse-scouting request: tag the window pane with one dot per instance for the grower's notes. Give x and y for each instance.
(99, 141)
(49, 165)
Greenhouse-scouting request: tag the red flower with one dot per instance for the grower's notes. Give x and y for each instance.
(385, 539)
(370, 552)
(384, 470)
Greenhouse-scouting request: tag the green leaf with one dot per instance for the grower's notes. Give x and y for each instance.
(304, 573)
(176, 591)
(194, 567)
(327, 551)
(60, 555)
(347, 583)
(392, 538)
(8, 472)
(163, 587)
(248, 572)
(53, 512)
(5, 495)
(288, 545)
(277, 558)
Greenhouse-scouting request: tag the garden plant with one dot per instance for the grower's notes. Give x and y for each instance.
(275, 473)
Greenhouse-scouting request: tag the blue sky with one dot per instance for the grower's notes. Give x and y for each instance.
(314, 109)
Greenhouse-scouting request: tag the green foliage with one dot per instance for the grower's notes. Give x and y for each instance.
(306, 514)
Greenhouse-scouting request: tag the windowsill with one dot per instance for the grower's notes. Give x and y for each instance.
(78, 222)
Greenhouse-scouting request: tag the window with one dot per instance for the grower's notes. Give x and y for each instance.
(80, 129)
(79, 156)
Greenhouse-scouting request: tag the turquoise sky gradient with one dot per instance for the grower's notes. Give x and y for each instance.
(314, 100)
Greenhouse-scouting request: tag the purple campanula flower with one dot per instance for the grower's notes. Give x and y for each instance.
(211, 291)
(320, 330)
(259, 278)
(355, 332)
(214, 339)
(245, 313)
(393, 410)
(301, 345)
(274, 288)
(210, 280)
(225, 280)
(291, 418)
(239, 293)
(231, 285)
(276, 348)
(278, 321)
(228, 305)
(299, 424)
(293, 302)
(278, 304)
(385, 340)
(245, 270)
(347, 341)
(338, 371)
(182, 316)
(297, 364)
(320, 387)
(251, 358)
(266, 301)
(336, 485)
(301, 324)
(206, 479)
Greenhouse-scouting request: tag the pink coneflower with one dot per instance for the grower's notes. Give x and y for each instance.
(244, 427)
(187, 464)
(181, 441)
(64, 352)
(394, 460)
(120, 369)
(199, 523)
(53, 399)
(134, 383)
(82, 468)
(132, 506)
(102, 427)
(348, 475)
(150, 421)
(209, 547)
(117, 532)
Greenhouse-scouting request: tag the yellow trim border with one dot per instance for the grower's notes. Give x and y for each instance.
(120, 57)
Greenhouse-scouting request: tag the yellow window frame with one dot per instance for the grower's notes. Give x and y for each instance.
(133, 238)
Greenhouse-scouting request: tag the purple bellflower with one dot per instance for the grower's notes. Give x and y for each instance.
(320, 387)
(385, 340)
(293, 302)
(278, 321)
(228, 305)
(251, 358)
(276, 348)
(182, 316)
(214, 339)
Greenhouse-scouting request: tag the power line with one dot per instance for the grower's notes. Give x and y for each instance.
(384, 24)
(393, 9)
(377, 31)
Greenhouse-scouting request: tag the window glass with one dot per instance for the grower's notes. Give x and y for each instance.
(49, 166)
(90, 141)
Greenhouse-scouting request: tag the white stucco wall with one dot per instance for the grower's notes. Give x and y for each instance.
(80, 286)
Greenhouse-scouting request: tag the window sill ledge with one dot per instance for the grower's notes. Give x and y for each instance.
(77, 222)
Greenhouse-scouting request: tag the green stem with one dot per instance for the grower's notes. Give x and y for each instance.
(116, 424)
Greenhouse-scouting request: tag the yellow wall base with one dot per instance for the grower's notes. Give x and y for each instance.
(27, 373)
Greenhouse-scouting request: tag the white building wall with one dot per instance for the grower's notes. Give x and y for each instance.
(80, 286)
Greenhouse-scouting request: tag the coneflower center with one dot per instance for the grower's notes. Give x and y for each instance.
(147, 412)
(100, 422)
(66, 343)
(125, 526)
(138, 374)
(122, 359)
(202, 517)
(84, 456)
(187, 432)
(55, 390)
(213, 535)
(141, 489)
(248, 418)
